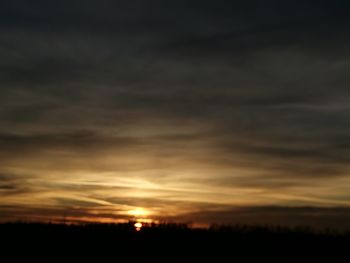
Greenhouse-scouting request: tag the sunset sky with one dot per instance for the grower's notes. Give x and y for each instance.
(183, 110)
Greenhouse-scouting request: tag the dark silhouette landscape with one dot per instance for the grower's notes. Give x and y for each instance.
(167, 242)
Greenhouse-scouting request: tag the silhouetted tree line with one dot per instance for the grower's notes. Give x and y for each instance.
(166, 242)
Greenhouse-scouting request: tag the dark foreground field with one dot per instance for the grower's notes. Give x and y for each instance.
(167, 242)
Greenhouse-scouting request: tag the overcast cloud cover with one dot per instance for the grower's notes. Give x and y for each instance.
(208, 111)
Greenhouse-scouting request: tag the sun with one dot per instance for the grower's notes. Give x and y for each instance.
(138, 226)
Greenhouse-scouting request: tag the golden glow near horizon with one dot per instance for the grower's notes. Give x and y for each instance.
(139, 212)
(173, 181)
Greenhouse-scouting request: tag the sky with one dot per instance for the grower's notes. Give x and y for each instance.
(191, 111)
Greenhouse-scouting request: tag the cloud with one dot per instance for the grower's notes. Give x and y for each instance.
(318, 218)
(12, 185)
(228, 97)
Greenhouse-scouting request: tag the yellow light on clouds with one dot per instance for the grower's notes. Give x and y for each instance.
(138, 212)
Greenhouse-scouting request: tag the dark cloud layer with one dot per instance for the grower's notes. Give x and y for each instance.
(320, 218)
(220, 95)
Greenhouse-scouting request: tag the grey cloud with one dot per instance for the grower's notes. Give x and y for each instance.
(12, 185)
(315, 217)
(57, 214)
(250, 85)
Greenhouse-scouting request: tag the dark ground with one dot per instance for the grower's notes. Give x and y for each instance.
(21, 242)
